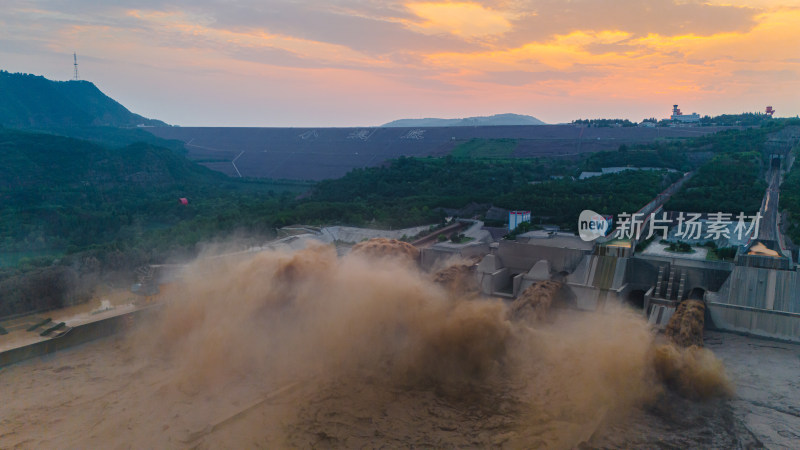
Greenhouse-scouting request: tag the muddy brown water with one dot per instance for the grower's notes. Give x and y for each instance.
(308, 350)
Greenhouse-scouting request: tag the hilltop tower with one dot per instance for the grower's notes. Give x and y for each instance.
(75, 63)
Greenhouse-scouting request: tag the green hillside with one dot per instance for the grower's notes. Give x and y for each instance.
(31, 101)
(74, 214)
(41, 161)
(62, 194)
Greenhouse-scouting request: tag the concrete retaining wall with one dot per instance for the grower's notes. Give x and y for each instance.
(520, 257)
(755, 321)
(77, 335)
(763, 288)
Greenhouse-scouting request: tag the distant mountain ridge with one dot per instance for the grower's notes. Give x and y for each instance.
(495, 120)
(32, 101)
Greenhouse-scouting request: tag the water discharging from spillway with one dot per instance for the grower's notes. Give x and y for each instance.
(386, 355)
(683, 363)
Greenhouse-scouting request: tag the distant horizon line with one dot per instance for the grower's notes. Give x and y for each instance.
(72, 80)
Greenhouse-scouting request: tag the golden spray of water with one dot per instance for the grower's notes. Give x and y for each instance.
(683, 363)
(336, 325)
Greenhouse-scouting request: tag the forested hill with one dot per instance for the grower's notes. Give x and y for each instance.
(72, 211)
(31, 101)
(57, 191)
(45, 162)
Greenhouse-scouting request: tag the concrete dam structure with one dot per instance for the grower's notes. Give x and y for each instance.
(754, 294)
(757, 293)
(325, 153)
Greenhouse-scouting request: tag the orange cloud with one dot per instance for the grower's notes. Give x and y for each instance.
(459, 18)
(560, 53)
(204, 34)
(775, 37)
(625, 66)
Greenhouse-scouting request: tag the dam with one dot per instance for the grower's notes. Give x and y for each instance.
(753, 294)
(756, 293)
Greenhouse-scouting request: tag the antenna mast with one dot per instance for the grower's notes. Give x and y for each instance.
(75, 59)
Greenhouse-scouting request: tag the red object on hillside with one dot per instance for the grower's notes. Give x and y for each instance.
(770, 111)
(184, 201)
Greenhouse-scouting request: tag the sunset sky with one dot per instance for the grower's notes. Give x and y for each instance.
(365, 62)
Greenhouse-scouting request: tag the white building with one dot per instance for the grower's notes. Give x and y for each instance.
(515, 218)
(678, 116)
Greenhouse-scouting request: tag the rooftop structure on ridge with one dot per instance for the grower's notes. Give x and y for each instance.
(678, 116)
